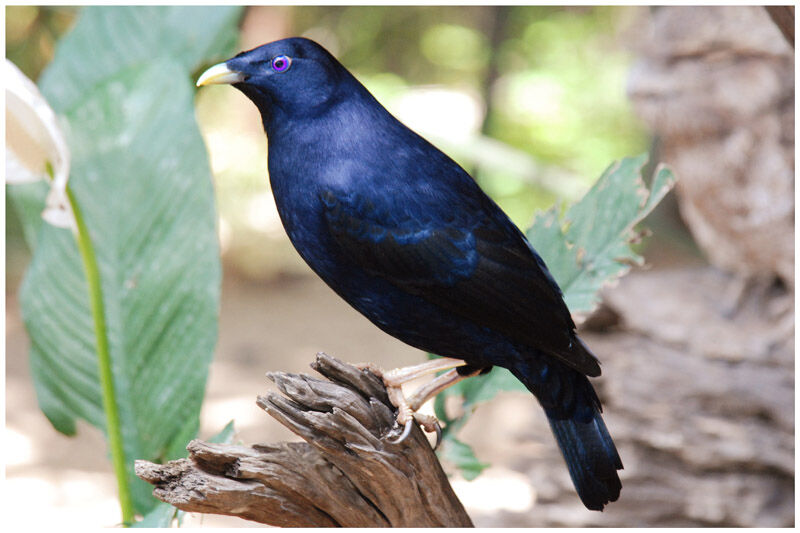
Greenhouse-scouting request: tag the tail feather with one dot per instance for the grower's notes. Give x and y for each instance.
(573, 410)
(591, 458)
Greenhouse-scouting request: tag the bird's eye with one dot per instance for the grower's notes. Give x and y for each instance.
(281, 63)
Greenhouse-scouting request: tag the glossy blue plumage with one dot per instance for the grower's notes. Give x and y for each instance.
(406, 237)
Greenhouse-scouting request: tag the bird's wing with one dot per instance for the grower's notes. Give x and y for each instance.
(470, 265)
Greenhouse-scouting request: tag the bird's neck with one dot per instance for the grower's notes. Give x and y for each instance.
(346, 125)
(353, 138)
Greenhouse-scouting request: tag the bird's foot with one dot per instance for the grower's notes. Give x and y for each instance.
(407, 410)
(407, 414)
(427, 422)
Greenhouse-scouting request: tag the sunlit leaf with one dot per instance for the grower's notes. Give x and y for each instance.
(122, 79)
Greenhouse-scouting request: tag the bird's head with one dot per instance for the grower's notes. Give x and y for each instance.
(297, 76)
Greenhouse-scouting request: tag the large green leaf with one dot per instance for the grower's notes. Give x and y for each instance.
(585, 249)
(108, 40)
(122, 81)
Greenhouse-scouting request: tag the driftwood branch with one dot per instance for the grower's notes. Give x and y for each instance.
(346, 473)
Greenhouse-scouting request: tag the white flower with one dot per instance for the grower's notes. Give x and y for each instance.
(34, 140)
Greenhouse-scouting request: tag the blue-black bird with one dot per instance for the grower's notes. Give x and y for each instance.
(405, 236)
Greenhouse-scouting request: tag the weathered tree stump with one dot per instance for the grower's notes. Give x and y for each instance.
(347, 473)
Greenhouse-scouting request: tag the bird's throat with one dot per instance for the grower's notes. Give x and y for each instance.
(264, 102)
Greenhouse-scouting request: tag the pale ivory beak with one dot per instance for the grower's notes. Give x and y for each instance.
(219, 74)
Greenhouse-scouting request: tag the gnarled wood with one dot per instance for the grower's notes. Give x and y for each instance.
(347, 473)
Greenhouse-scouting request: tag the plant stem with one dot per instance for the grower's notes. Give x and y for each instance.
(113, 427)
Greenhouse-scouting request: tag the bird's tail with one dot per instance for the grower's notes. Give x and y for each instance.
(591, 457)
(573, 410)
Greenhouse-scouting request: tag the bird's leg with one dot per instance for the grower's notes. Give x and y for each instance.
(394, 379)
(437, 385)
(428, 391)
(399, 376)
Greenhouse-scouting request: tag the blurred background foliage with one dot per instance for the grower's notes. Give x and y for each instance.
(530, 100)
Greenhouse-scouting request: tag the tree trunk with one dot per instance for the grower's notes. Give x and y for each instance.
(347, 473)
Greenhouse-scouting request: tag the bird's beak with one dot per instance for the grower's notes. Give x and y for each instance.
(219, 74)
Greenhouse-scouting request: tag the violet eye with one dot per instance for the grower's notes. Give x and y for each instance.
(281, 63)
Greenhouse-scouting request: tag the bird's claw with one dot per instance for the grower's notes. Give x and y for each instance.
(428, 423)
(438, 430)
(406, 432)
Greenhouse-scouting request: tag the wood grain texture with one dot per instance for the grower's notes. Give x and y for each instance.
(346, 473)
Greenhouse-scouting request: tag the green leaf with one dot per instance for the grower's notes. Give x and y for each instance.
(225, 436)
(108, 40)
(591, 245)
(462, 456)
(121, 79)
(585, 249)
(483, 388)
(162, 515)
(28, 203)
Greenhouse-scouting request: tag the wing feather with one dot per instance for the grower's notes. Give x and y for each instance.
(474, 267)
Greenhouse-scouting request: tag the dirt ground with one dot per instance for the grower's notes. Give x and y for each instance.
(700, 402)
